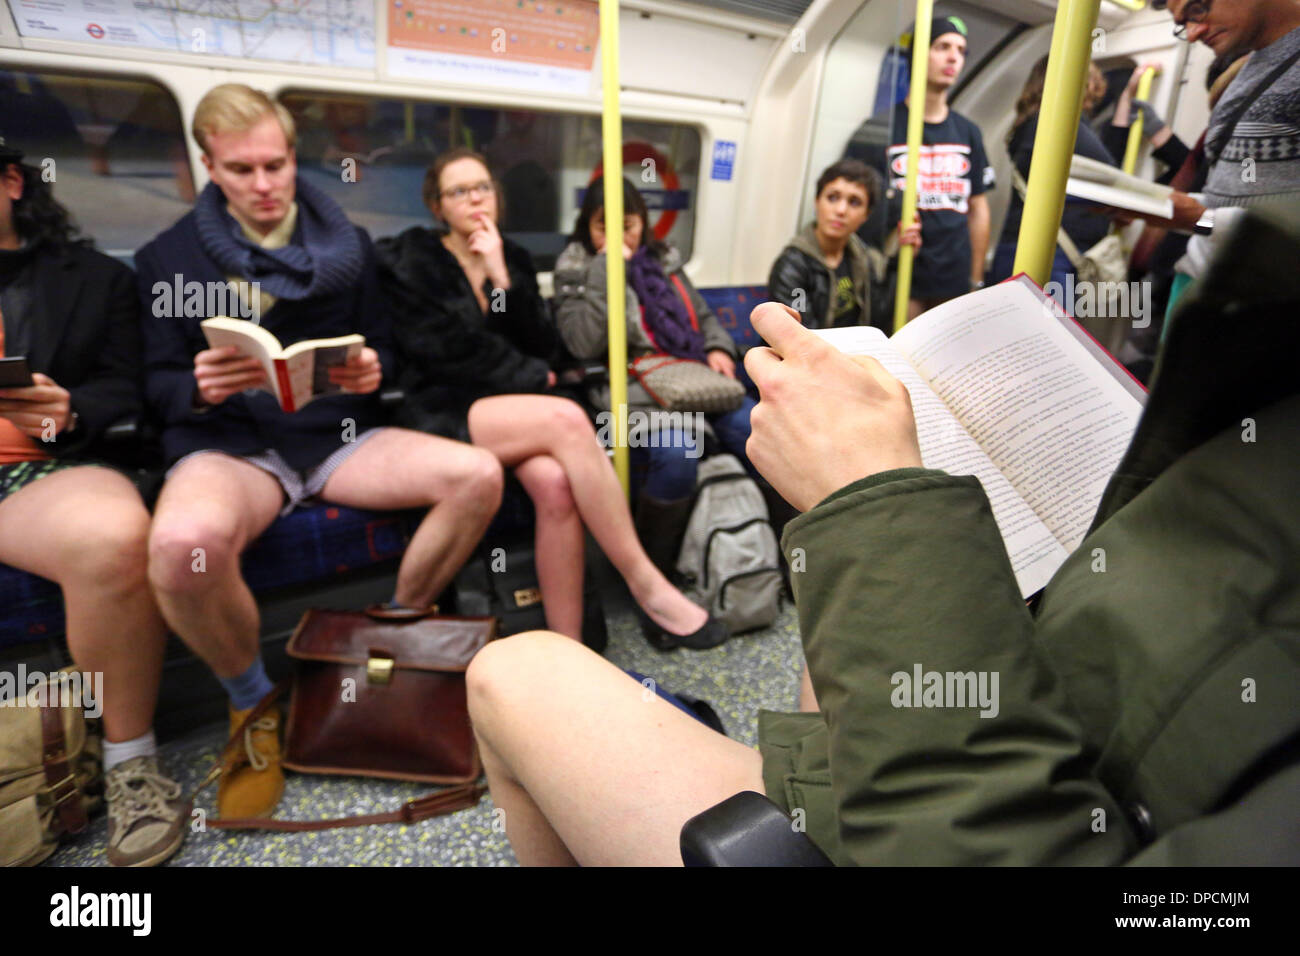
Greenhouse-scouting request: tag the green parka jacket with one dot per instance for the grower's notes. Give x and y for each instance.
(1150, 713)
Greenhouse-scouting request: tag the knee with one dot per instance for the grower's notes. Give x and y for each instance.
(483, 480)
(503, 672)
(548, 487)
(185, 554)
(113, 552)
(569, 423)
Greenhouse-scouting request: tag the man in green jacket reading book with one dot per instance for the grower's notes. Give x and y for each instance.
(1146, 714)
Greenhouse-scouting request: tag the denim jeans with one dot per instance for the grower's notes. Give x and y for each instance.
(668, 471)
(1004, 262)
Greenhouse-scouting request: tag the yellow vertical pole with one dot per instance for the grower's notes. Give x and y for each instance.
(612, 130)
(1136, 121)
(915, 126)
(1058, 126)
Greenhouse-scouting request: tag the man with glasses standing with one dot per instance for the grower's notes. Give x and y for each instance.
(237, 460)
(1252, 147)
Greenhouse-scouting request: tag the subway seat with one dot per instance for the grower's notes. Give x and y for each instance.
(324, 543)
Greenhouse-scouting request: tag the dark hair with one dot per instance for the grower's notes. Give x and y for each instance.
(38, 216)
(633, 205)
(431, 192)
(855, 171)
(1031, 96)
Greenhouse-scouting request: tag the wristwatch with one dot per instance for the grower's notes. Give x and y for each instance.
(1205, 225)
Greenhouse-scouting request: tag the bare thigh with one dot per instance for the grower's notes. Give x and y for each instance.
(400, 468)
(615, 769)
(217, 495)
(518, 427)
(45, 524)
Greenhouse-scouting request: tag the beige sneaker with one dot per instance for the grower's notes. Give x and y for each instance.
(146, 815)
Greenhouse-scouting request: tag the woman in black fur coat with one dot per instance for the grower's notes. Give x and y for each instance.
(474, 335)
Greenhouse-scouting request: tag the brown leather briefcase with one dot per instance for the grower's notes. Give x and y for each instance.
(381, 693)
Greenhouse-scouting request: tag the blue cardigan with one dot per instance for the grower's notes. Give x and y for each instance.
(252, 421)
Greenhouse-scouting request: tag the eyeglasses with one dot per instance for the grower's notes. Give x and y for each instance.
(459, 193)
(1195, 12)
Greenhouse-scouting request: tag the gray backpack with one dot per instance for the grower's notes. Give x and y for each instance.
(729, 556)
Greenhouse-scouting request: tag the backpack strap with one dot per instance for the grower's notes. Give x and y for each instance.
(59, 775)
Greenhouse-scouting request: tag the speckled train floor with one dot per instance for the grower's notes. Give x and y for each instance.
(754, 671)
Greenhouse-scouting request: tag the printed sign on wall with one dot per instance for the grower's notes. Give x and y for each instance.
(548, 45)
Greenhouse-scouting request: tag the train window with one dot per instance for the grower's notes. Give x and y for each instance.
(370, 154)
(113, 146)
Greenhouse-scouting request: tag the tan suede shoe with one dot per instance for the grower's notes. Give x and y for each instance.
(252, 782)
(146, 814)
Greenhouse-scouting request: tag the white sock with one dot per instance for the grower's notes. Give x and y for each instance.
(143, 746)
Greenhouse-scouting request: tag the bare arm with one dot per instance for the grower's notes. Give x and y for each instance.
(978, 224)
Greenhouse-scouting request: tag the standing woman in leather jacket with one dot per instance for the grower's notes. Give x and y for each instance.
(825, 273)
(474, 338)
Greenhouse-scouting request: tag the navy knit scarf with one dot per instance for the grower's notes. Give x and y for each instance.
(665, 313)
(327, 261)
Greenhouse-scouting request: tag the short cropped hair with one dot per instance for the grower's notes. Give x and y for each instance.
(236, 107)
(855, 171)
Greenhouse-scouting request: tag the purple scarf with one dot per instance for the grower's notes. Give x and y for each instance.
(665, 313)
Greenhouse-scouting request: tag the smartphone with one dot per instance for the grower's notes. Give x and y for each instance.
(14, 372)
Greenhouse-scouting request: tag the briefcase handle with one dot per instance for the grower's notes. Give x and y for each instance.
(381, 612)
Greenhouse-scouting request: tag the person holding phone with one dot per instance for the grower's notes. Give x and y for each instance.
(71, 314)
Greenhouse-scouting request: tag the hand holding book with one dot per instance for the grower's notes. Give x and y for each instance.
(245, 355)
(826, 418)
(222, 372)
(360, 375)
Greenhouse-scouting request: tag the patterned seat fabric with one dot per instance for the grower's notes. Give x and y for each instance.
(732, 305)
(313, 544)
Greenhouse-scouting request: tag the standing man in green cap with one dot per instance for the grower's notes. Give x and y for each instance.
(953, 178)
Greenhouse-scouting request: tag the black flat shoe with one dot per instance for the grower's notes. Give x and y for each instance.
(710, 634)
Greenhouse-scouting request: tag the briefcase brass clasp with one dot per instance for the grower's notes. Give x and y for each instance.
(379, 670)
(526, 597)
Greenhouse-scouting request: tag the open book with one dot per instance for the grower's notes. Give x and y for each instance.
(296, 375)
(1098, 182)
(1009, 389)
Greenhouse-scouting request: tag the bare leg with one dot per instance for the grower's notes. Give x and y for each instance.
(519, 427)
(587, 765)
(807, 697)
(399, 468)
(90, 530)
(208, 512)
(558, 543)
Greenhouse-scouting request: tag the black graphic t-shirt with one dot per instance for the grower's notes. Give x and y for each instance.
(847, 310)
(953, 168)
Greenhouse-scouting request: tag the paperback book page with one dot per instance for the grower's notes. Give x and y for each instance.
(309, 371)
(221, 332)
(1048, 414)
(1033, 549)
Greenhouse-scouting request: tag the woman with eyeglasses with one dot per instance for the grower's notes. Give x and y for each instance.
(474, 337)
